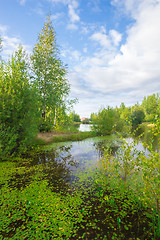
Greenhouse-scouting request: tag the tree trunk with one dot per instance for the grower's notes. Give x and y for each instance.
(44, 114)
(55, 116)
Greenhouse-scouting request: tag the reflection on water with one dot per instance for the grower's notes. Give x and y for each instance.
(65, 159)
(146, 136)
(61, 161)
(85, 127)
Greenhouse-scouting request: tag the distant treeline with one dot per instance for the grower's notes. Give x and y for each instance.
(108, 120)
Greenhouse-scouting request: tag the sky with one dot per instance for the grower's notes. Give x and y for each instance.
(111, 47)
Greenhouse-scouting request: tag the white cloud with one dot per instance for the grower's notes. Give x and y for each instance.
(127, 73)
(102, 39)
(71, 55)
(115, 36)
(107, 41)
(72, 26)
(3, 29)
(22, 2)
(72, 13)
(10, 44)
(72, 6)
(58, 1)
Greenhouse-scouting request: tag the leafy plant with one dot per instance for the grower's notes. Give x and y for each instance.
(18, 109)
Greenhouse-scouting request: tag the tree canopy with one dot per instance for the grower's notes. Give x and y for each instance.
(17, 105)
(49, 72)
(137, 116)
(106, 121)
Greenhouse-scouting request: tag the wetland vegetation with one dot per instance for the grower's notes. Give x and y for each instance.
(98, 188)
(64, 183)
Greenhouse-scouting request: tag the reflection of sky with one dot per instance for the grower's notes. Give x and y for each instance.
(139, 146)
(77, 156)
(85, 127)
(84, 154)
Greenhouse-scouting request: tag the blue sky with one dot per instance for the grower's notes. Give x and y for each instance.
(111, 47)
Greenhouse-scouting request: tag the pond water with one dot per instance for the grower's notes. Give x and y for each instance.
(85, 127)
(65, 159)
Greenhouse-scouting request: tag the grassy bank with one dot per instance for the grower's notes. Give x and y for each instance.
(53, 137)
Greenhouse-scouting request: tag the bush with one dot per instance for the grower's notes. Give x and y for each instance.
(107, 121)
(18, 110)
(45, 127)
(137, 116)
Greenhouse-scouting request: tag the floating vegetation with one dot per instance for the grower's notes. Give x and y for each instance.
(52, 195)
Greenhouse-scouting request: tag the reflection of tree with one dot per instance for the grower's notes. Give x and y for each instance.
(102, 146)
(54, 167)
(147, 137)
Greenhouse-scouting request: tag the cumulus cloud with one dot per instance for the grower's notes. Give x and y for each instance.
(129, 71)
(72, 6)
(73, 15)
(102, 39)
(107, 40)
(10, 44)
(3, 29)
(72, 11)
(115, 37)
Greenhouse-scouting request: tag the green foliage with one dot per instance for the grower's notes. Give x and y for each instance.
(0, 44)
(150, 104)
(36, 208)
(137, 116)
(86, 121)
(63, 121)
(125, 113)
(18, 114)
(135, 175)
(45, 126)
(49, 73)
(38, 213)
(75, 117)
(106, 121)
(93, 117)
(117, 200)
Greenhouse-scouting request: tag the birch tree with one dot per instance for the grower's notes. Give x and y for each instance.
(0, 42)
(49, 72)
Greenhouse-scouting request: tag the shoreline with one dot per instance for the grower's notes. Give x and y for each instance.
(53, 137)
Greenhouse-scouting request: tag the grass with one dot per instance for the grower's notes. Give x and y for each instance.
(63, 137)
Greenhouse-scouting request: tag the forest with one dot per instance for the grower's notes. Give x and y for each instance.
(45, 193)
